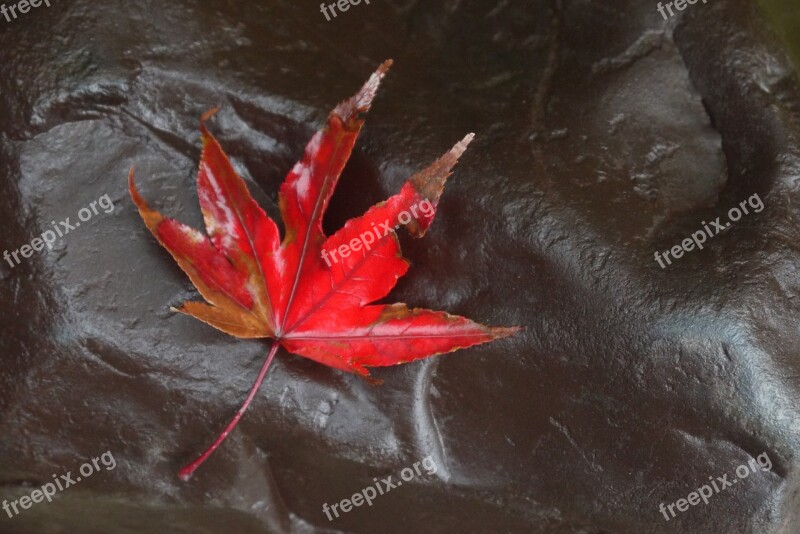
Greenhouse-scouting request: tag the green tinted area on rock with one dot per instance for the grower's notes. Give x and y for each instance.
(784, 16)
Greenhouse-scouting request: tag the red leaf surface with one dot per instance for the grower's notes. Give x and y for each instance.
(310, 293)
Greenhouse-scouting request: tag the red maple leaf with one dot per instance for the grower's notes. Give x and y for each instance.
(310, 293)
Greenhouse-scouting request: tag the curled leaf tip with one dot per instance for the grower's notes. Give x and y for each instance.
(205, 117)
(459, 148)
(430, 182)
(462, 145)
(151, 218)
(500, 332)
(135, 196)
(360, 102)
(208, 114)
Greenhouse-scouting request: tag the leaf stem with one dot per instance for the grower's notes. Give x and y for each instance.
(188, 470)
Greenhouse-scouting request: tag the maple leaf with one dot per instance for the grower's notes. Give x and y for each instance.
(310, 293)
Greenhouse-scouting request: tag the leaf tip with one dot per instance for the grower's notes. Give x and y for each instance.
(371, 380)
(208, 114)
(500, 332)
(459, 148)
(134, 192)
(205, 117)
(430, 182)
(360, 103)
(150, 217)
